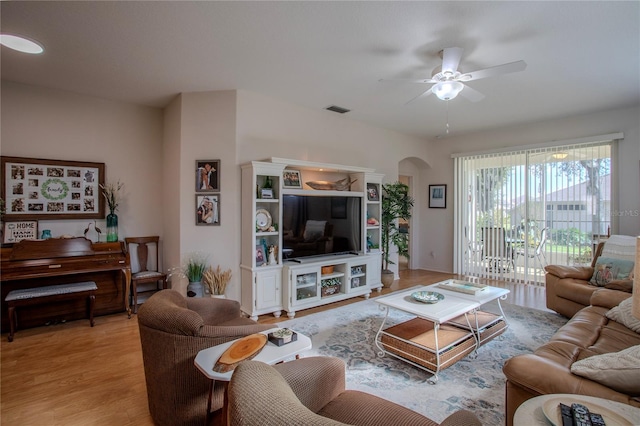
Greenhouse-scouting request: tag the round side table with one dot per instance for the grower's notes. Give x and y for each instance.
(530, 412)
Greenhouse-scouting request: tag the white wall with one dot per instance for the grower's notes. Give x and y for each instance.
(155, 154)
(268, 127)
(52, 124)
(437, 229)
(171, 190)
(203, 128)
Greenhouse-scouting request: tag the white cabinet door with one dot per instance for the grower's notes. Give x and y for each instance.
(268, 289)
(374, 271)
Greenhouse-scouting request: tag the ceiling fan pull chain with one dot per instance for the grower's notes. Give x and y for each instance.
(447, 102)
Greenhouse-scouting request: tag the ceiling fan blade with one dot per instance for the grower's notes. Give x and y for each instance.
(472, 94)
(421, 81)
(425, 93)
(493, 71)
(451, 59)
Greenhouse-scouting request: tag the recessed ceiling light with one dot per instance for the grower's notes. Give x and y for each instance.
(20, 44)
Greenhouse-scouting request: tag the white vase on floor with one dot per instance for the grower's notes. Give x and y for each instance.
(195, 289)
(219, 296)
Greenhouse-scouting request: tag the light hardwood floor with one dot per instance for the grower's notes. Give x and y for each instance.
(71, 374)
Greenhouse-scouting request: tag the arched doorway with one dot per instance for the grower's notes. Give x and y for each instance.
(405, 226)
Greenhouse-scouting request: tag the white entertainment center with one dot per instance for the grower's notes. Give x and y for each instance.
(295, 278)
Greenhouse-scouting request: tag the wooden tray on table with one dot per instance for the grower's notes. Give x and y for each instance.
(241, 350)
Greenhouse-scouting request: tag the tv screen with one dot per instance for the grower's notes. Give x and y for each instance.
(319, 225)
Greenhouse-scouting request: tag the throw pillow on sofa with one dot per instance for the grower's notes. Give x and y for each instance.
(608, 269)
(622, 314)
(619, 371)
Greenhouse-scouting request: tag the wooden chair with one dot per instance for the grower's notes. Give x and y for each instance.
(143, 267)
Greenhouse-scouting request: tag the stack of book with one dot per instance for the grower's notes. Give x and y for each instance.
(462, 286)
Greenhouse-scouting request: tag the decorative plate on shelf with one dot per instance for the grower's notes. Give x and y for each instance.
(263, 220)
(427, 296)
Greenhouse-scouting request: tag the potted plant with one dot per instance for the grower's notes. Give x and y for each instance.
(396, 204)
(194, 269)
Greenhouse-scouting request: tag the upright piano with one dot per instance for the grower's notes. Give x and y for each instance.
(37, 263)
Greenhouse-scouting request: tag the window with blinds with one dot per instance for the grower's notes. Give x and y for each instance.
(518, 211)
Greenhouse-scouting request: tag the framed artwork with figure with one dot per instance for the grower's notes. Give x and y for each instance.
(437, 196)
(208, 210)
(207, 175)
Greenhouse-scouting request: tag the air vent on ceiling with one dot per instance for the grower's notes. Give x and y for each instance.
(337, 109)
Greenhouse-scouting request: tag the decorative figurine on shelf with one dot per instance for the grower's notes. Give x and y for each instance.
(369, 242)
(272, 255)
(93, 236)
(263, 241)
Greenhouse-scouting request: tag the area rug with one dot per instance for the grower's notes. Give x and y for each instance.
(477, 385)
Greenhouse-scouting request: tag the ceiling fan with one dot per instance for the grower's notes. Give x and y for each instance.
(448, 81)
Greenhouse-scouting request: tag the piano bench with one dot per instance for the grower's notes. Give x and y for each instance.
(51, 293)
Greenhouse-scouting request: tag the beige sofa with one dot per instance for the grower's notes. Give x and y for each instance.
(548, 370)
(311, 392)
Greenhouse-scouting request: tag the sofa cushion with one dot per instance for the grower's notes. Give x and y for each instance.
(575, 290)
(563, 271)
(618, 370)
(621, 285)
(608, 269)
(622, 314)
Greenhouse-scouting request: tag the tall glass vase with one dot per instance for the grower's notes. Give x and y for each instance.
(112, 227)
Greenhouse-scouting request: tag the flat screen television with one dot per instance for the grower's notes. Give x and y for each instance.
(316, 225)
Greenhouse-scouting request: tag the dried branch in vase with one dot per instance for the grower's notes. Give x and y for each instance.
(216, 280)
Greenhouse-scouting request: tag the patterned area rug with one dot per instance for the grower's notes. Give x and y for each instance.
(476, 384)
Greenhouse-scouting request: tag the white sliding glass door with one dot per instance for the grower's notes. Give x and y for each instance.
(518, 211)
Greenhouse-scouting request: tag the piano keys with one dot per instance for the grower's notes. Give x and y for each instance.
(38, 263)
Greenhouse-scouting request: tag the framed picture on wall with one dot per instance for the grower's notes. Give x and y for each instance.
(208, 209)
(34, 188)
(207, 175)
(437, 196)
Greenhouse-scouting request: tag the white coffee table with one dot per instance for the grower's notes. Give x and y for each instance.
(442, 333)
(270, 354)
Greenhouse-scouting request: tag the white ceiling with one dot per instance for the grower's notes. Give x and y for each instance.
(582, 56)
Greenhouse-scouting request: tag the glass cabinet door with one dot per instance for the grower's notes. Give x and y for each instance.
(306, 286)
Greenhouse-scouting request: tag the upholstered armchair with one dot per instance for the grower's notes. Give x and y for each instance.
(173, 329)
(311, 392)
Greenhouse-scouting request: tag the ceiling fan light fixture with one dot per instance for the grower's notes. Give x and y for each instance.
(447, 90)
(21, 44)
